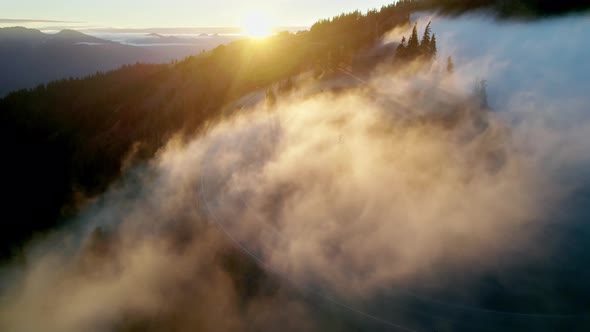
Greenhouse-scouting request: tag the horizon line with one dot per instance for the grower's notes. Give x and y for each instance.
(210, 29)
(30, 20)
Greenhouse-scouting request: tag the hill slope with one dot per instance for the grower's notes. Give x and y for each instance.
(71, 138)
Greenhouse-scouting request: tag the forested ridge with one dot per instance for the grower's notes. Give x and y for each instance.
(526, 9)
(68, 140)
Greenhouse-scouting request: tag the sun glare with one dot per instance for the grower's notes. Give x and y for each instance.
(257, 25)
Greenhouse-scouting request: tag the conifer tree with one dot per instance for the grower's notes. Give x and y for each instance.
(433, 49)
(483, 94)
(401, 49)
(413, 44)
(271, 97)
(426, 40)
(450, 66)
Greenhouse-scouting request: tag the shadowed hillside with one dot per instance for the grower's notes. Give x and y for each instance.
(71, 138)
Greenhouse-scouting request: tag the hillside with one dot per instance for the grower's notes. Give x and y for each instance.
(74, 135)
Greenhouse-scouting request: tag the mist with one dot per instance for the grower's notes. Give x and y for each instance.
(358, 198)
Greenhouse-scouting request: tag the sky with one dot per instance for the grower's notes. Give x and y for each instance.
(174, 13)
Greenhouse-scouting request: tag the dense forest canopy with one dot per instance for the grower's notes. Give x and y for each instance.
(510, 8)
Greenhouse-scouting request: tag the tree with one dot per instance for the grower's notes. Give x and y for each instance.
(425, 44)
(401, 49)
(413, 44)
(433, 49)
(271, 98)
(450, 66)
(481, 93)
(426, 47)
(286, 86)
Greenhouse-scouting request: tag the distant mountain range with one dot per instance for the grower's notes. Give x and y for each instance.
(29, 57)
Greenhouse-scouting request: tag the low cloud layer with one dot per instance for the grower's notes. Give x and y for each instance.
(24, 21)
(357, 193)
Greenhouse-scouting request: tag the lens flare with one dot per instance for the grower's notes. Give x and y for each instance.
(257, 25)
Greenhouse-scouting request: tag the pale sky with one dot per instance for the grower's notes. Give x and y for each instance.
(177, 13)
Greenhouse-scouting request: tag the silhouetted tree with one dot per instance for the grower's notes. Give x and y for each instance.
(401, 49)
(425, 48)
(271, 97)
(413, 45)
(425, 43)
(433, 49)
(286, 86)
(481, 93)
(450, 65)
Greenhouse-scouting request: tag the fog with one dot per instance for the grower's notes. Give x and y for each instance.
(531, 63)
(353, 199)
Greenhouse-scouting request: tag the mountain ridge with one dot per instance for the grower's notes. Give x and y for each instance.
(29, 57)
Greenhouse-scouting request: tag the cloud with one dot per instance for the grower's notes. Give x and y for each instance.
(359, 194)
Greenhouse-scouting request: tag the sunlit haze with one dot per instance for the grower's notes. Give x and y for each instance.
(257, 24)
(172, 13)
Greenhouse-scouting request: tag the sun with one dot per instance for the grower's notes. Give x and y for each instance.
(257, 25)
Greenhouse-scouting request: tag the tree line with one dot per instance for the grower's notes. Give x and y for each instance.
(413, 49)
